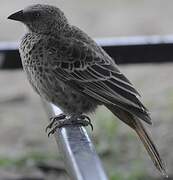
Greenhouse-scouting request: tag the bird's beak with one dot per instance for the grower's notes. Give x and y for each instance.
(17, 16)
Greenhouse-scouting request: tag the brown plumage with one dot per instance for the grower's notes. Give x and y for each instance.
(66, 67)
(139, 128)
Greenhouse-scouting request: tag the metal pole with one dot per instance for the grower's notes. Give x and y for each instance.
(80, 157)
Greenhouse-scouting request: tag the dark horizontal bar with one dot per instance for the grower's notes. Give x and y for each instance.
(126, 50)
(80, 158)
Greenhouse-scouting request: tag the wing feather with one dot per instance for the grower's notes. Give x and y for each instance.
(96, 74)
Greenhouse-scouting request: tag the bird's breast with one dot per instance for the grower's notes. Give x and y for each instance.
(46, 83)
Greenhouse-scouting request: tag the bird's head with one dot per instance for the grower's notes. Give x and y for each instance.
(41, 18)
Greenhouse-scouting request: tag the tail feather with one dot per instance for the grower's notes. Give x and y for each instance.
(137, 125)
(150, 147)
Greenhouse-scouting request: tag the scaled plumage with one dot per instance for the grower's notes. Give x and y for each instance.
(66, 67)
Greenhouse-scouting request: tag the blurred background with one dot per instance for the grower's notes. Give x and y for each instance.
(25, 150)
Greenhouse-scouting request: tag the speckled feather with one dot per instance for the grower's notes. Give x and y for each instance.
(66, 67)
(89, 70)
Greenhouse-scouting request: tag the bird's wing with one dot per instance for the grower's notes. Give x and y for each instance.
(93, 73)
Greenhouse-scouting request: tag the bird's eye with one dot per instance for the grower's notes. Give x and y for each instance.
(32, 15)
(37, 14)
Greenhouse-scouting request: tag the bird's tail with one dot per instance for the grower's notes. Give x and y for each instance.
(150, 147)
(137, 125)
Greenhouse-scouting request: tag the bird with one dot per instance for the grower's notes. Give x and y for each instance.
(68, 68)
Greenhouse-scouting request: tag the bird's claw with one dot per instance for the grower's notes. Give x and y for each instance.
(58, 125)
(84, 121)
(81, 120)
(53, 120)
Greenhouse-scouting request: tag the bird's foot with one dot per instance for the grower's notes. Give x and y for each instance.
(84, 121)
(56, 123)
(53, 120)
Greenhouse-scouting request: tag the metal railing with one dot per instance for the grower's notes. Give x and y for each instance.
(81, 160)
(80, 157)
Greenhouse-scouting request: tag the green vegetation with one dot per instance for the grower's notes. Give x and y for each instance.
(33, 157)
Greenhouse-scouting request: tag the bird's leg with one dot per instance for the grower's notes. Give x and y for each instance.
(80, 120)
(53, 120)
